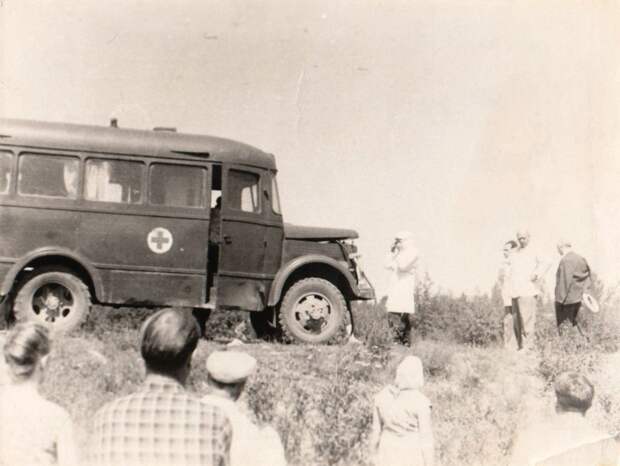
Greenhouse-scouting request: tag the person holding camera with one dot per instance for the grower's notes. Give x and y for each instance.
(401, 262)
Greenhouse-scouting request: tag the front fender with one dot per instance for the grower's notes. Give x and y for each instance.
(285, 272)
(9, 278)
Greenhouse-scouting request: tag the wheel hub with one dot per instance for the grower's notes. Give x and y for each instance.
(312, 311)
(52, 302)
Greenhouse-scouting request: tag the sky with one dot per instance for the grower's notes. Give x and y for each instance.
(460, 121)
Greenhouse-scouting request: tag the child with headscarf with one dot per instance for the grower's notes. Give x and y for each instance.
(402, 432)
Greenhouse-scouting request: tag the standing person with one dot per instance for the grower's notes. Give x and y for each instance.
(510, 340)
(228, 372)
(526, 271)
(163, 424)
(401, 261)
(570, 280)
(33, 430)
(402, 433)
(216, 222)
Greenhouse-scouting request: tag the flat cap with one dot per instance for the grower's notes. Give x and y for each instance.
(230, 366)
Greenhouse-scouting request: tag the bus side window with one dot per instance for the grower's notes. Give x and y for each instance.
(6, 161)
(48, 175)
(113, 181)
(177, 185)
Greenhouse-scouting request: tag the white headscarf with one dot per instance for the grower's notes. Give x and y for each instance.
(409, 374)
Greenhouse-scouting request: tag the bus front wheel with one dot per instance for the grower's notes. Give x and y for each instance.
(313, 311)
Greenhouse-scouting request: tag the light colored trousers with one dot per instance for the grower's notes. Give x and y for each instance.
(510, 340)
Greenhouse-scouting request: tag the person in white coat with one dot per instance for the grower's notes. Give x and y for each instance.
(401, 262)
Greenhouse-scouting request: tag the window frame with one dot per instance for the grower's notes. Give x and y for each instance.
(274, 194)
(12, 171)
(248, 170)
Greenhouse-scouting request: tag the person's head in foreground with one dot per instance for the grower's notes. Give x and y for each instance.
(574, 393)
(228, 372)
(409, 374)
(25, 352)
(564, 246)
(523, 236)
(167, 341)
(509, 247)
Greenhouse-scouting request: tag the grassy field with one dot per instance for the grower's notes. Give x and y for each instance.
(319, 398)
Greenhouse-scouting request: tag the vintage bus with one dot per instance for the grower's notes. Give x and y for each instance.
(141, 218)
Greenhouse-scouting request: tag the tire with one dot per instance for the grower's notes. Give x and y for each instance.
(307, 296)
(58, 300)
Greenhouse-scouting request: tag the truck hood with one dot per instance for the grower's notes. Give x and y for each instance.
(317, 233)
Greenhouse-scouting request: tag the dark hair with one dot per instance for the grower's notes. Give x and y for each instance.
(25, 345)
(512, 243)
(574, 392)
(167, 340)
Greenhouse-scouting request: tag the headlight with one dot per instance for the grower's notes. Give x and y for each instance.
(351, 248)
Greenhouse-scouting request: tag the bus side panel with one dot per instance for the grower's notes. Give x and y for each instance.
(131, 271)
(155, 288)
(150, 259)
(22, 230)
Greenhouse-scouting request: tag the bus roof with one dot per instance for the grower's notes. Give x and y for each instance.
(113, 140)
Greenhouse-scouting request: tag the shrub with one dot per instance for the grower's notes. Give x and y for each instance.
(225, 325)
(475, 320)
(371, 325)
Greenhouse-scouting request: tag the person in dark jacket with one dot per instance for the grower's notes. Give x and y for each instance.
(570, 280)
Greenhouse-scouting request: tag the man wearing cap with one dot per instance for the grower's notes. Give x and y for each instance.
(527, 269)
(228, 372)
(570, 280)
(162, 424)
(401, 262)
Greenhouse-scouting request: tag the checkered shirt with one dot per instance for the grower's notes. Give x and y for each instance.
(161, 424)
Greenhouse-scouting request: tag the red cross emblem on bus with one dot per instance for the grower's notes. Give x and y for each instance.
(159, 240)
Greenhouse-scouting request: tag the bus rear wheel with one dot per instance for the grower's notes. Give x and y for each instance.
(313, 310)
(58, 300)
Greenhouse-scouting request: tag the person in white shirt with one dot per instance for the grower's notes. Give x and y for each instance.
(401, 261)
(505, 271)
(526, 271)
(228, 372)
(33, 430)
